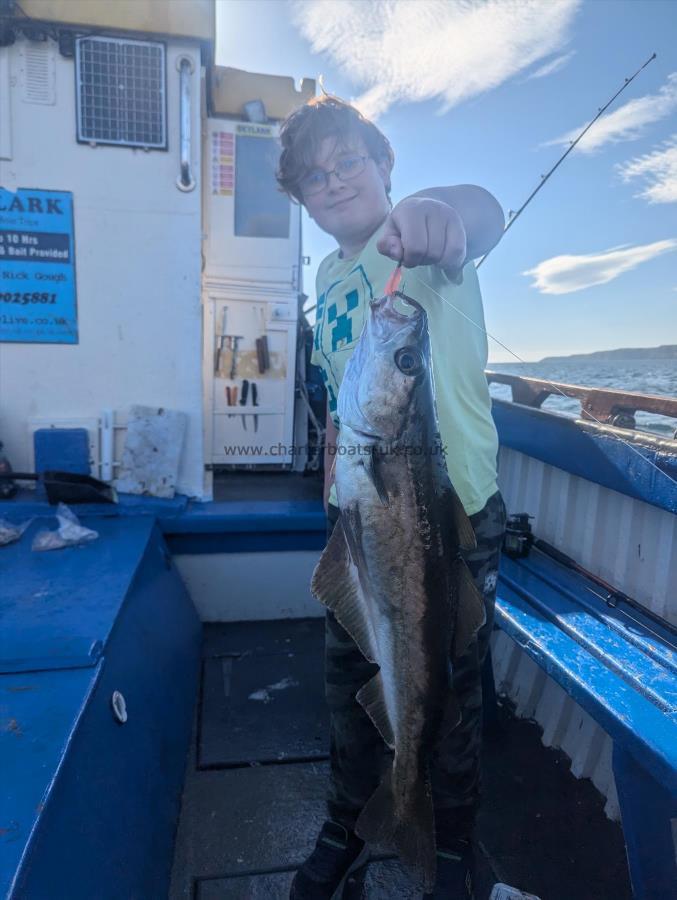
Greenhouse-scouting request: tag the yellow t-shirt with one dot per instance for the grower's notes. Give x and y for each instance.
(458, 350)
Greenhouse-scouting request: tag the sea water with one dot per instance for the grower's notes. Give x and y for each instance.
(643, 376)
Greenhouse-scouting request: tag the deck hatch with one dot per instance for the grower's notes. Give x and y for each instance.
(120, 87)
(261, 708)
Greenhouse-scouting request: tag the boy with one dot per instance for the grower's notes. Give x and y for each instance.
(338, 164)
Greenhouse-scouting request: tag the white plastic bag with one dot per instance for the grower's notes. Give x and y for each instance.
(10, 532)
(69, 533)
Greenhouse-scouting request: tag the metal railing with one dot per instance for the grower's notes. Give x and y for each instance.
(603, 405)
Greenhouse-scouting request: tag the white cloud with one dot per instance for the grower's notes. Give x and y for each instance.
(659, 169)
(566, 274)
(627, 122)
(403, 51)
(553, 66)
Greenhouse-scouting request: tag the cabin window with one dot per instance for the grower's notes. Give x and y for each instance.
(121, 92)
(261, 210)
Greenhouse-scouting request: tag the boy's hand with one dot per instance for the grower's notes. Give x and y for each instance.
(421, 231)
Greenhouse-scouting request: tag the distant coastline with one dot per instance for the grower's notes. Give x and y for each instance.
(665, 351)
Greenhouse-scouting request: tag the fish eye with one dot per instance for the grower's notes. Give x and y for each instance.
(409, 360)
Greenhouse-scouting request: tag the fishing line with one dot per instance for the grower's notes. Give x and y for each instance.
(409, 272)
(515, 216)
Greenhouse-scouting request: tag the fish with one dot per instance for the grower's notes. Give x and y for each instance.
(392, 571)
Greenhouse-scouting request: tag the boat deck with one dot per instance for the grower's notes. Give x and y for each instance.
(253, 799)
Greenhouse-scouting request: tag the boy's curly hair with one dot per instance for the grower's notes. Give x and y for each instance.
(303, 131)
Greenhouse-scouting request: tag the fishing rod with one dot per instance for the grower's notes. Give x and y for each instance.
(513, 217)
(393, 281)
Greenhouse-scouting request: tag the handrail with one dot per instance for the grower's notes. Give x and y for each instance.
(185, 181)
(604, 405)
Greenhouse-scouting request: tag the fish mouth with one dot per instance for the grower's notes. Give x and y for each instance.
(387, 304)
(384, 317)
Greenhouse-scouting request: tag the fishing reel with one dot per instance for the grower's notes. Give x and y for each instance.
(518, 536)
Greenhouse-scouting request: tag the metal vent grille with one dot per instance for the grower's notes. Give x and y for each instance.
(121, 92)
(38, 74)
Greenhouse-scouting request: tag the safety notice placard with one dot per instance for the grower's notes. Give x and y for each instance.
(37, 267)
(222, 163)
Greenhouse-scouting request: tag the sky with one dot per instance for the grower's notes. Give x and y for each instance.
(491, 93)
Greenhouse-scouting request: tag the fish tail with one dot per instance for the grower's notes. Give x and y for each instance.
(410, 832)
(377, 823)
(415, 836)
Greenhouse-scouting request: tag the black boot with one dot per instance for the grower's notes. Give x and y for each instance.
(336, 867)
(455, 871)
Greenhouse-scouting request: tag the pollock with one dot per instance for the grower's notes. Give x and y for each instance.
(392, 571)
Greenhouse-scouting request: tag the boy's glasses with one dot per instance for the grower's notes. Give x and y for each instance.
(345, 169)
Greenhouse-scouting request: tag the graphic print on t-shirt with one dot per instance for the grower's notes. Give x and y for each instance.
(340, 314)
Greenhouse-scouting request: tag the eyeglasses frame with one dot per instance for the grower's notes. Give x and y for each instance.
(333, 171)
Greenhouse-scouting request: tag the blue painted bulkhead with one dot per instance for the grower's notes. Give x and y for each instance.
(90, 805)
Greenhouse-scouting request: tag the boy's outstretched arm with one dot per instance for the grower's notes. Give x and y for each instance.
(444, 226)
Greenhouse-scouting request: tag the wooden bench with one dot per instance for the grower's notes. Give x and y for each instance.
(620, 666)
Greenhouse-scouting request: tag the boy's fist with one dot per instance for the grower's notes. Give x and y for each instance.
(421, 231)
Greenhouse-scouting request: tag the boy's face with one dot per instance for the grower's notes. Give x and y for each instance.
(352, 209)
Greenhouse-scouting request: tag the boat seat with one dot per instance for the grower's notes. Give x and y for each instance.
(620, 666)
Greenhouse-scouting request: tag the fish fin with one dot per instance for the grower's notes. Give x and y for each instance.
(411, 832)
(375, 477)
(371, 698)
(335, 584)
(462, 524)
(471, 614)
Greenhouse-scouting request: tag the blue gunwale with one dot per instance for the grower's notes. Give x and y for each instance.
(599, 454)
